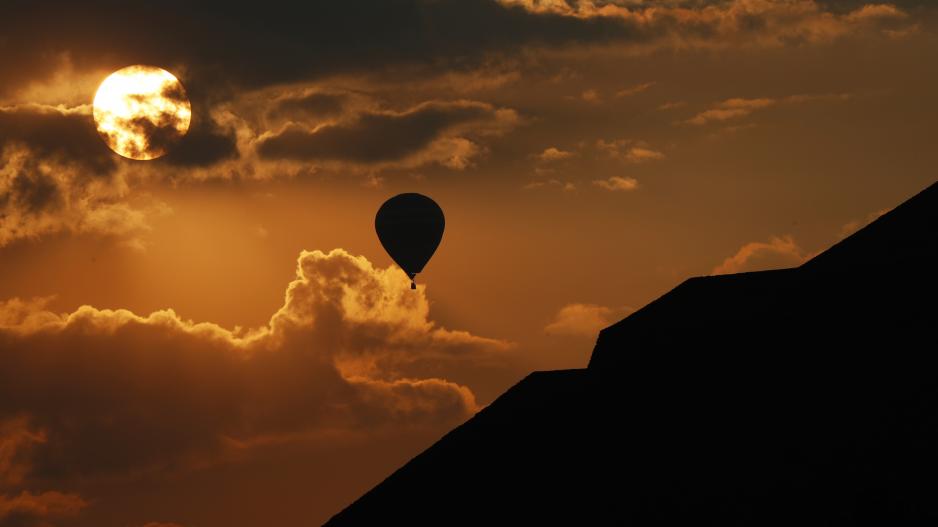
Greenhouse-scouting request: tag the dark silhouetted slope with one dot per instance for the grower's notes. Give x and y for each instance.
(803, 396)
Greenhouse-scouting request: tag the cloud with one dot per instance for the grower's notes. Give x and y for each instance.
(730, 109)
(250, 49)
(63, 134)
(629, 151)
(313, 105)
(17, 441)
(855, 225)
(617, 183)
(777, 253)
(720, 24)
(583, 319)
(28, 509)
(487, 77)
(633, 90)
(206, 144)
(566, 186)
(737, 108)
(876, 12)
(591, 96)
(672, 105)
(57, 176)
(638, 154)
(351, 351)
(554, 154)
(432, 131)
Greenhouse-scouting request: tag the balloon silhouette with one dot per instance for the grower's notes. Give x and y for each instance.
(410, 227)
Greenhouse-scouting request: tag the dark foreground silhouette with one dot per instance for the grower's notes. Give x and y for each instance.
(804, 396)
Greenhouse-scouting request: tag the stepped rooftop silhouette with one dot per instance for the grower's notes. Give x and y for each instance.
(802, 396)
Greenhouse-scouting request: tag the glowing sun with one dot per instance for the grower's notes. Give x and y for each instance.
(141, 111)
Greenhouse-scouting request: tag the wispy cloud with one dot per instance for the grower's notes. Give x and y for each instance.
(591, 96)
(777, 253)
(628, 150)
(617, 183)
(554, 154)
(566, 186)
(633, 90)
(737, 108)
(672, 105)
(584, 320)
(855, 225)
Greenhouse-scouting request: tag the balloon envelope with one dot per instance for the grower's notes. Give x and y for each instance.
(410, 227)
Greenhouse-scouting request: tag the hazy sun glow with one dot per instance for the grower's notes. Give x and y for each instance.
(141, 111)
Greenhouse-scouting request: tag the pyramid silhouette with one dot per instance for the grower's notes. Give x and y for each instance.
(805, 396)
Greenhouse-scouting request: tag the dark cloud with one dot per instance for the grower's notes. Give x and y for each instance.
(205, 144)
(160, 135)
(310, 106)
(174, 92)
(57, 175)
(281, 42)
(375, 137)
(219, 49)
(35, 510)
(50, 133)
(227, 45)
(32, 190)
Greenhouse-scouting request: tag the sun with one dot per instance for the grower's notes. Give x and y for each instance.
(141, 111)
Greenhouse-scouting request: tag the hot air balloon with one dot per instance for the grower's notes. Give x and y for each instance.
(410, 227)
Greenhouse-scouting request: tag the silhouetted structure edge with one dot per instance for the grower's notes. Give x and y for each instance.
(800, 396)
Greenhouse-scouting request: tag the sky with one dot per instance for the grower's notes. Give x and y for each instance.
(216, 337)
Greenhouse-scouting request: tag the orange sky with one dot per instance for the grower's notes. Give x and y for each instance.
(588, 156)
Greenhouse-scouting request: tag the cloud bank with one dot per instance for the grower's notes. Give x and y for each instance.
(108, 392)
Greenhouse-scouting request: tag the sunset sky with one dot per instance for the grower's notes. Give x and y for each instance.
(216, 337)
